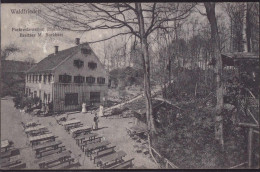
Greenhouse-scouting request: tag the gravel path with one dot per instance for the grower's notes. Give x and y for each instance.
(114, 130)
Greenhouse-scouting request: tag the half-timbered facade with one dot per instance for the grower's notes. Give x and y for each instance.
(68, 78)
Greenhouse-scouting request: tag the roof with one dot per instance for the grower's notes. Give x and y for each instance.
(228, 59)
(240, 55)
(49, 63)
(12, 66)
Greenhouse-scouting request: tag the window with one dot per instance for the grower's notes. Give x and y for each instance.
(36, 78)
(35, 94)
(92, 65)
(49, 77)
(30, 78)
(65, 78)
(71, 99)
(90, 80)
(85, 51)
(44, 78)
(79, 79)
(49, 97)
(94, 97)
(78, 63)
(40, 78)
(101, 80)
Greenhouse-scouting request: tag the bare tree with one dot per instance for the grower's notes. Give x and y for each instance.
(215, 41)
(8, 50)
(133, 19)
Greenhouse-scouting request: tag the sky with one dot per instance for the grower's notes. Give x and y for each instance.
(39, 47)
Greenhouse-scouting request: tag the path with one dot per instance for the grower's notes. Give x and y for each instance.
(114, 130)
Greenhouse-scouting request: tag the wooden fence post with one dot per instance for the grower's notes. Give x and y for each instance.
(250, 136)
(167, 164)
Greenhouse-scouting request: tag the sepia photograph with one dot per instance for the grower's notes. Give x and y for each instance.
(129, 85)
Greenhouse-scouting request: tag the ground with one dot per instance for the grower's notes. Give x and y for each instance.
(114, 130)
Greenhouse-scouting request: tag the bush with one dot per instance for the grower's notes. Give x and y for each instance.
(21, 101)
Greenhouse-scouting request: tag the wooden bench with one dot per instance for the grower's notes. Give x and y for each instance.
(48, 160)
(18, 166)
(50, 152)
(61, 164)
(70, 127)
(38, 139)
(123, 165)
(89, 136)
(43, 146)
(88, 149)
(111, 159)
(12, 161)
(81, 130)
(87, 142)
(101, 153)
(38, 133)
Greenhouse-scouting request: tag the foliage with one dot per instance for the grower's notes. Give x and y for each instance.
(187, 139)
(126, 77)
(21, 101)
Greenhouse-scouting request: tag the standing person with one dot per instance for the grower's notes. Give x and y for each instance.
(96, 121)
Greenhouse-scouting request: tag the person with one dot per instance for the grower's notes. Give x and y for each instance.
(96, 121)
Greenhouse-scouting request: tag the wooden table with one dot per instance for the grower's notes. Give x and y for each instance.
(70, 122)
(44, 137)
(40, 129)
(44, 162)
(136, 130)
(114, 157)
(44, 146)
(89, 136)
(76, 131)
(31, 124)
(11, 161)
(95, 146)
(5, 145)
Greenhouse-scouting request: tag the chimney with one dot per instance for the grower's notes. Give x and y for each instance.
(56, 49)
(77, 41)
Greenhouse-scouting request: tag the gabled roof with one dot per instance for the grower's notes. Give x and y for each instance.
(49, 63)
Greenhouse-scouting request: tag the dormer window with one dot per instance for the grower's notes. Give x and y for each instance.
(86, 51)
(78, 63)
(79, 79)
(90, 79)
(92, 65)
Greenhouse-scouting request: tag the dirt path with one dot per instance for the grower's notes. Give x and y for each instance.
(114, 130)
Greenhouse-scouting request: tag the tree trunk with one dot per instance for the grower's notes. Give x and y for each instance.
(244, 30)
(147, 88)
(215, 40)
(146, 60)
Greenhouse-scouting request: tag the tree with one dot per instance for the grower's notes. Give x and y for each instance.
(8, 50)
(215, 41)
(134, 19)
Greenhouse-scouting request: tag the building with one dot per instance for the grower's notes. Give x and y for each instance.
(69, 78)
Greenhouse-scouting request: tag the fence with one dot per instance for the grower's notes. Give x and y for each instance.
(163, 162)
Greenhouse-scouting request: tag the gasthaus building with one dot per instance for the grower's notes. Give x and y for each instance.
(69, 78)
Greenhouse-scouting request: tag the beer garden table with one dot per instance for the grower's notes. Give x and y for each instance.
(111, 158)
(91, 147)
(89, 136)
(44, 137)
